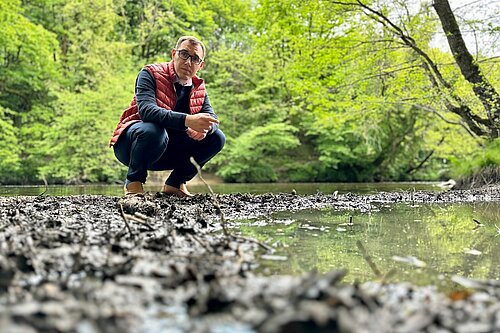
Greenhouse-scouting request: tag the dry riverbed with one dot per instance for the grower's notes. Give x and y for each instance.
(156, 264)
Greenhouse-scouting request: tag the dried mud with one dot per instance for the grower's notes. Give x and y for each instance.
(160, 264)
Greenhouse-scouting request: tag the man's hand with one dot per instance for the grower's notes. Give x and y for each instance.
(201, 122)
(198, 136)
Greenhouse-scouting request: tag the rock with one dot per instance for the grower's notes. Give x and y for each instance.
(474, 327)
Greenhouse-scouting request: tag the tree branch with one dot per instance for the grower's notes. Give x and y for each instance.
(475, 123)
(460, 123)
(415, 168)
(486, 93)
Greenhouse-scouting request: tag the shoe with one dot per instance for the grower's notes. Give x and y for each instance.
(181, 192)
(134, 188)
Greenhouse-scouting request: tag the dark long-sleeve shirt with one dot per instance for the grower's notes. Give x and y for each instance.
(145, 92)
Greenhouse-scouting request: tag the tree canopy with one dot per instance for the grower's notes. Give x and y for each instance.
(305, 90)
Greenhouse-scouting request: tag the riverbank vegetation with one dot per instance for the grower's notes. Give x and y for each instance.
(305, 90)
(482, 168)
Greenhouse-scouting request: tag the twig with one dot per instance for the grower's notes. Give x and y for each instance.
(264, 246)
(125, 220)
(139, 220)
(141, 216)
(46, 186)
(203, 244)
(215, 202)
(351, 221)
(369, 260)
(388, 275)
(240, 254)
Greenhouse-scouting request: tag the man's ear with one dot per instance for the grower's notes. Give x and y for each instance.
(173, 53)
(201, 65)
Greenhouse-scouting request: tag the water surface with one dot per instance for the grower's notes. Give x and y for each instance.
(226, 188)
(425, 244)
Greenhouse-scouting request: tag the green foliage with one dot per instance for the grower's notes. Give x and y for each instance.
(27, 69)
(253, 155)
(305, 90)
(9, 150)
(76, 147)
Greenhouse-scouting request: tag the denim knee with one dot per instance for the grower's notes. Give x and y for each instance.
(218, 140)
(141, 142)
(150, 134)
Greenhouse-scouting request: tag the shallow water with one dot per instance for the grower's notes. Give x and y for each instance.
(424, 244)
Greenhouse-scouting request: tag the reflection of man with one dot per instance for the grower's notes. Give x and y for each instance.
(169, 120)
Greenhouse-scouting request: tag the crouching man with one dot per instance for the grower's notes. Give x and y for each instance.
(169, 120)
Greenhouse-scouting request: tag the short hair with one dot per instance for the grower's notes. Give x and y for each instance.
(193, 40)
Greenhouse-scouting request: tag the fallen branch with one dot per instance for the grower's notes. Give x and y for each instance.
(203, 244)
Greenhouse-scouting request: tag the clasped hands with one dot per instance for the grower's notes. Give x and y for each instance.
(198, 125)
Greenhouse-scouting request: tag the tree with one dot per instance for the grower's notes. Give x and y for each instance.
(471, 71)
(474, 122)
(10, 150)
(75, 149)
(349, 88)
(254, 156)
(27, 76)
(306, 90)
(27, 67)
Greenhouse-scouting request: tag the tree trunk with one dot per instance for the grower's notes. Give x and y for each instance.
(486, 93)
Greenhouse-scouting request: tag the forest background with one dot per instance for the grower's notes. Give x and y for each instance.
(305, 90)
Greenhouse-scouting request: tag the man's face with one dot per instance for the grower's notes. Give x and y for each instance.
(187, 68)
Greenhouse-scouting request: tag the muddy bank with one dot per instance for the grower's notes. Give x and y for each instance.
(161, 264)
(485, 176)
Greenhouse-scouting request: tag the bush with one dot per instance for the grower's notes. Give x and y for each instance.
(255, 155)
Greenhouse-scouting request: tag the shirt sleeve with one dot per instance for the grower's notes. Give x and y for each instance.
(207, 108)
(145, 92)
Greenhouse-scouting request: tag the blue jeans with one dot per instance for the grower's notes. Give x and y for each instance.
(148, 146)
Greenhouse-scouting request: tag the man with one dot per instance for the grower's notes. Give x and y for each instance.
(169, 120)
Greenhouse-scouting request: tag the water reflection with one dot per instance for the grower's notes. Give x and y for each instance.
(444, 237)
(226, 188)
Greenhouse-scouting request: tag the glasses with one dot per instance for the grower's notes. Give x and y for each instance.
(183, 54)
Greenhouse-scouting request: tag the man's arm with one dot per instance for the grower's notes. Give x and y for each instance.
(207, 108)
(145, 92)
(208, 112)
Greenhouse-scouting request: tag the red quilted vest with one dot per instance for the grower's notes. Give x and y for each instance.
(164, 75)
